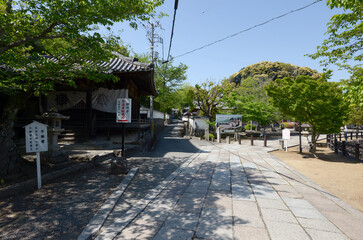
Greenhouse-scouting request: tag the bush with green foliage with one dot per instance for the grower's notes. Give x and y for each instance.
(210, 136)
(248, 127)
(288, 124)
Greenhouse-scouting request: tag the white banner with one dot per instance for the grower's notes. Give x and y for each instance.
(103, 99)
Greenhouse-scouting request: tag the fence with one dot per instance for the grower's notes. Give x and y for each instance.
(349, 145)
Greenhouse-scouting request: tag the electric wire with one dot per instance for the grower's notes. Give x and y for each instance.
(246, 30)
(172, 31)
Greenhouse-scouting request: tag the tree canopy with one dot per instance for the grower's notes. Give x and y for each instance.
(249, 99)
(345, 35)
(207, 96)
(317, 102)
(65, 30)
(168, 80)
(353, 94)
(269, 71)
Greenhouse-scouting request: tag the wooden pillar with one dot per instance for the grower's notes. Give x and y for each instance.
(89, 113)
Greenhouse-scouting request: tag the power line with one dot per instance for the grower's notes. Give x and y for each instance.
(172, 30)
(247, 29)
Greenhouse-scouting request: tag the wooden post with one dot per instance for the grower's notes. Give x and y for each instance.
(228, 139)
(251, 139)
(335, 144)
(340, 137)
(356, 152)
(239, 138)
(89, 114)
(265, 140)
(344, 150)
(351, 135)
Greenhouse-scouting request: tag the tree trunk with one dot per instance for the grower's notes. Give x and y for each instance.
(9, 157)
(314, 139)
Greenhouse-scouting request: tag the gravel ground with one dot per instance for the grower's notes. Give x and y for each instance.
(60, 210)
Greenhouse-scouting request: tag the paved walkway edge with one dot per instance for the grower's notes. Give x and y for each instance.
(100, 217)
(346, 206)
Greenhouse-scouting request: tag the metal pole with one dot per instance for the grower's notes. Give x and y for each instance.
(39, 176)
(300, 148)
(152, 97)
(123, 140)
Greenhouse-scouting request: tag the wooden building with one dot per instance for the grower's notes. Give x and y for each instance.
(92, 105)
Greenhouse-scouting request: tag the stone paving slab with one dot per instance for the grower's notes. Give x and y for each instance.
(238, 192)
(98, 220)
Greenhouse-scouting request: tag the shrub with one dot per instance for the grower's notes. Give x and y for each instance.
(248, 127)
(210, 136)
(288, 124)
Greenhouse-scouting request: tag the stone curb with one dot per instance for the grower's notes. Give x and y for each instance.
(100, 217)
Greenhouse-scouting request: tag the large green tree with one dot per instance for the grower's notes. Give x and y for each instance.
(317, 102)
(65, 30)
(249, 99)
(345, 35)
(353, 94)
(208, 98)
(168, 80)
(185, 96)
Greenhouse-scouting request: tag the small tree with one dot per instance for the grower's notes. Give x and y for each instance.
(317, 102)
(207, 96)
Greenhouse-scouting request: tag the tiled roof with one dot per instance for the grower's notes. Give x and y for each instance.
(121, 64)
(126, 64)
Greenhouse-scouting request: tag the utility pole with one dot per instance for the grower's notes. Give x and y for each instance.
(153, 38)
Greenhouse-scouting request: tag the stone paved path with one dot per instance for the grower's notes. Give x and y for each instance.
(235, 192)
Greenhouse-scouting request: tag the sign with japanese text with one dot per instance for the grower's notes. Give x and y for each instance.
(123, 110)
(286, 134)
(36, 137)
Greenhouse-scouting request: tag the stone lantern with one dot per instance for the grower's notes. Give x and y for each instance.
(54, 122)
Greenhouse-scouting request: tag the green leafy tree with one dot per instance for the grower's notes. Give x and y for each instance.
(249, 99)
(65, 30)
(168, 79)
(185, 97)
(207, 97)
(317, 102)
(353, 94)
(345, 35)
(266, 71)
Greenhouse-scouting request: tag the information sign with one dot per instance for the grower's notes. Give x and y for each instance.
(36, 137)
(123, 112)
(36, 140)
(286, 134)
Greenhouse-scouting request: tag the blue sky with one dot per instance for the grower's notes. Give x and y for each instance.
(199, 22)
